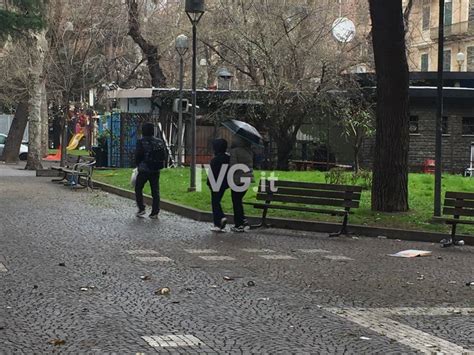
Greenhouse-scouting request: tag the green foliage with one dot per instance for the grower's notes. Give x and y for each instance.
(21, 16)
(336, 176)
(362, 178)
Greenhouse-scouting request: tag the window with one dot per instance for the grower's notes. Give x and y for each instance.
(426, 15)
(470, 59)
(448, 12)
(444, 125)
(413, 126)
(424, 62)
(468, 125)
(2, 139)
(447, 60)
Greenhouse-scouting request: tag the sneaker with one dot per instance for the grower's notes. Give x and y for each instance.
(238, 229)
(217, 230)
(154, 216)
(223, 223)
(141, 214)
(446, 242)
(246, 225)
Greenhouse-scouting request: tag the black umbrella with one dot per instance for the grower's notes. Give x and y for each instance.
(244, 130)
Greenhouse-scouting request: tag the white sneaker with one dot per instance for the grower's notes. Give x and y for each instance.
(141, 214)
(223, 223)
(218, 230)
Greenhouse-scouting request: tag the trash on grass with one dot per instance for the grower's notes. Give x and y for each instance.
(411, 253)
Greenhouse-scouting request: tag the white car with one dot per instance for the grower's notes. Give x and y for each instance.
(23, 147)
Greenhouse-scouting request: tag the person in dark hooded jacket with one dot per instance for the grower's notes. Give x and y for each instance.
(149, 159)
(218, 168)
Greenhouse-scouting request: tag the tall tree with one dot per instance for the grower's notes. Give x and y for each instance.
(390, 170)
(18, 19)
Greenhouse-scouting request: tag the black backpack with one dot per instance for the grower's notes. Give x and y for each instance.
(155, 155)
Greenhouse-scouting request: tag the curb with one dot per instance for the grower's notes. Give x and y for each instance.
(293, 224)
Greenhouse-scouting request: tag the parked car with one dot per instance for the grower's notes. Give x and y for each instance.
(23, 147)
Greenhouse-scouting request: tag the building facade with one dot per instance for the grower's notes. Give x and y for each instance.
(422, 38)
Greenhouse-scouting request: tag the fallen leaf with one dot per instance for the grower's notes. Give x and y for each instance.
(57, 342)
(62, 264)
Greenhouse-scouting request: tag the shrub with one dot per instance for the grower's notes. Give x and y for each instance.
(336, 176)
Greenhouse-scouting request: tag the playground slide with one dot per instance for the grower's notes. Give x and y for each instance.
(74, 142)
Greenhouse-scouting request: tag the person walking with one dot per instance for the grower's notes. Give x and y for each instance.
(149, 158)
(240, 154)
(218, 169)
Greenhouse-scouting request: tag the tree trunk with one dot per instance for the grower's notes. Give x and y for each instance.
(149, 50)
(356, 159)
(15, 134)
(34, 127)
(390, 171)
(44, 121)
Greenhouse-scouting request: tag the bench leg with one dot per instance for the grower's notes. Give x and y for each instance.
(343, 228)
(60, 180)
(263, 223)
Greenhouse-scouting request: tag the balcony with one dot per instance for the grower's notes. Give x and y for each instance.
(455, 31)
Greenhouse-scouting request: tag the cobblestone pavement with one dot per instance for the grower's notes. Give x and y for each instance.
(79, 274)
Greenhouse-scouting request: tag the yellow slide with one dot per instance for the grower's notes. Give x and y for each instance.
(74, 142)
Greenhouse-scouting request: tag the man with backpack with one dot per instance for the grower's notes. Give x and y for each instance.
(150, 156)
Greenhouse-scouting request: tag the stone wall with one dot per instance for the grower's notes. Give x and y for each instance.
(456, 147)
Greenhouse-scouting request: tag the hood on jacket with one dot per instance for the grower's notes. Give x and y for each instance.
(239, 142)
(219, 146)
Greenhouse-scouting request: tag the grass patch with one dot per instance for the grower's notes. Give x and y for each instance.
(174, 184)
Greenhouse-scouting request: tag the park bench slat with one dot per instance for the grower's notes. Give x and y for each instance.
(301, 196)
(294, 208)
(458, 211)
(306, 200)
(315, 186)
(343, 195)
(458, 203)
(460, 195)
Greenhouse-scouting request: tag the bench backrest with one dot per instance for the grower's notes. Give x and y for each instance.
(71, 160)
(459, 204)
(86, 159)
(345, 196)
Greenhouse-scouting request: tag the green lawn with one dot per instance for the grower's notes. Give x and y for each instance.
(174, 184)
(72, 152)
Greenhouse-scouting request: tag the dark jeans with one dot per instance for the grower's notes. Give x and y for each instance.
(154, 179)
(217, 213)
(239, 216)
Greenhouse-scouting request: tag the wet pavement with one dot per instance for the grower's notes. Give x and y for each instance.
(80, 274)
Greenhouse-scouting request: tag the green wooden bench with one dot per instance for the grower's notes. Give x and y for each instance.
(336, 200)
(456, 205)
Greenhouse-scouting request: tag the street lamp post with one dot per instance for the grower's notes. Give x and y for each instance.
(439, 112)
(460, 58)
(194, 9)
(182, 47)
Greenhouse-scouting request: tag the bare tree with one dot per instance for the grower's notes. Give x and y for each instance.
(284, 53)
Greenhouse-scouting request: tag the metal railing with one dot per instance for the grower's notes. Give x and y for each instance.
(458, 29)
